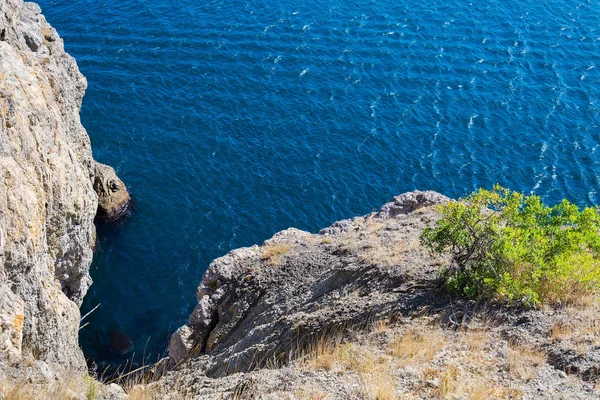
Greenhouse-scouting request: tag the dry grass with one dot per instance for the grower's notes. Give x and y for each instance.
(570, 292)
(458, 382)
(381, 326)
(416, 346)
(142, 393)
(452, 364)
(372, 369)
(460, 363)
(477, 339)
(144, 389)
(326, 240)
(578, 326)
(379, 385)
(584, 301)
(423, 358)
(523, 362)
(448, 382)
(324, 354)
(418, 358)
(373, 243)
(386, 253)
(561, 330)
(273, 252)
(313, 396)
(432, 360)
(75, 386)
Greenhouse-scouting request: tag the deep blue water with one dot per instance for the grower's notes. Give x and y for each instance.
(231, 120)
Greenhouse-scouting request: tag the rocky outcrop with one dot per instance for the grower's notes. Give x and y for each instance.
(47, 197)
(113, 198)
(358, 312)
(257, 303)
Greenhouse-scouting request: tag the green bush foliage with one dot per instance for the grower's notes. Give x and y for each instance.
(511, 247)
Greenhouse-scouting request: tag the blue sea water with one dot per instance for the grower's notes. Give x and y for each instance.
(231, 120)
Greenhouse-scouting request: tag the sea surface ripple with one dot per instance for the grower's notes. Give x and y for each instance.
(231, 120)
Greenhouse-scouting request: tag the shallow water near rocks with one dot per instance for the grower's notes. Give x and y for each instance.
(232, 120)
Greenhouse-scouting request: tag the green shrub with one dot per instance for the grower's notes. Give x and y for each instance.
(511, 247)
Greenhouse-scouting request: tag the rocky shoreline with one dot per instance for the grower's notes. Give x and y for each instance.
(290, 287)
(356, 311)
(359, 309)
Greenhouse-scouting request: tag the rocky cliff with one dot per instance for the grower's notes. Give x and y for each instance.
(257, 303)
(358, 311)
(47, 197)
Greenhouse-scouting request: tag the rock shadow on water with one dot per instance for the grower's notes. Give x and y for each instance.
(117, 347)
(119, 343)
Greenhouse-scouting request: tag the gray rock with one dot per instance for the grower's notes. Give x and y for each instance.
(571, 361)
(409, 202)
(47, 198)
(258, 302)
(259, 307)
(182, 344)
(111, 392)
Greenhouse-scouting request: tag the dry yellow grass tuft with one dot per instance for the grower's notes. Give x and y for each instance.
(385, 253)
(381, 326)
(448, 382)
(476, 339)
(326, 240)
(325, 354)
(417, 346)
(318, 396)
(328, 354)
(141, 388)
(303, 393)
(379, 385)
(453, 381)
(141, 393)
(273, 252)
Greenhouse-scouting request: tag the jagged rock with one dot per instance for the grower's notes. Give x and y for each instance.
(409, 202)
(47, 199)
(182, 344)
(113, 197)
(257, 302)
(586, 364)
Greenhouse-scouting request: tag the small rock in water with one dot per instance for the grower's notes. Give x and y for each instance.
(113, 197)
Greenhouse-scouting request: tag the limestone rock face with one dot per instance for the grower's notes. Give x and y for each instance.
(11, 324)
(47, 198)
